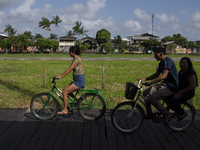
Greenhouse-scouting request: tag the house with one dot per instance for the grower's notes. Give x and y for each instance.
(142, 37)
(65, 42)
(3, 36)
(176, 49)
(94, 46)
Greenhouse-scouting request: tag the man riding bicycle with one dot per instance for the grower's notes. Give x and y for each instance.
(168, 87)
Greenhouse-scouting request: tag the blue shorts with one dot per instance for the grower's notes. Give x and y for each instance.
(79, 80)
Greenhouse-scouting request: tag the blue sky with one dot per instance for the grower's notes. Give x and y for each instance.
(127, 17)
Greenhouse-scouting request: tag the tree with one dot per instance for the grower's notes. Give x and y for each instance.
(78, 30)
(103, 36)
(70, 33)
(10, 30)
(176, 37)
(46, 44)
(117, 40)
(56, 20)
(151, 43)
(37, 36)
(107, 47)
(45, 24)
(84, 46)
(28, 34)
(53, 36)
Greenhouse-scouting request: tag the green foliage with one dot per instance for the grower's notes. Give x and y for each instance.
(151, 43)
(53, 36)
(84, 46)
(37, 36)
(56, 20)
(28, 34)
(46, 44)
(176, 37)
(103, 36)
(78, 30)
(10, 30)
(108, 47)
(191, 45)
(45, 23)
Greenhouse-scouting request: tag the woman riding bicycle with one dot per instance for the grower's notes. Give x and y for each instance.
(187, 84)
(78, 76)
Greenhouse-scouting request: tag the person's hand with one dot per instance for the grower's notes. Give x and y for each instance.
(177, 95)
(147, 83)
(142, 79)
(58, 77)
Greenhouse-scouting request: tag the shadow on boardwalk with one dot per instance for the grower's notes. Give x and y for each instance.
(20, 130)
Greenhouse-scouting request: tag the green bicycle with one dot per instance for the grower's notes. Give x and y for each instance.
(90, 105)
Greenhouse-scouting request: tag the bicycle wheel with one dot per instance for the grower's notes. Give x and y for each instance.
(122, 122)
(92, 107)
(184, 124)
(40, 109)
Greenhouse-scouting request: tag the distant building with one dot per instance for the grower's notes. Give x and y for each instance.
(142, 37)
(3, 36)
(94, 46)
(65, 42)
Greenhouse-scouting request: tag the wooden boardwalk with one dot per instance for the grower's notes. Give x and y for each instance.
(20, 130)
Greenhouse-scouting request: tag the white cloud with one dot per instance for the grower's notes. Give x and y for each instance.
(85, 12)
(133, 26)
(8, 3)
(165, 19)
(141, 15)
(195, 17)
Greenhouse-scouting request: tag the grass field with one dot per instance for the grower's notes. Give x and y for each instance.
(21, 79)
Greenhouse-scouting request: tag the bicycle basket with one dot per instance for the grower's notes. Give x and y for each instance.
(131, 90)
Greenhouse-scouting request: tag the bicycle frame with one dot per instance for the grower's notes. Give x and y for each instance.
(78, 92)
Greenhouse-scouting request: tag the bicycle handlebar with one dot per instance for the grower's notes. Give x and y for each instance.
(54, 78)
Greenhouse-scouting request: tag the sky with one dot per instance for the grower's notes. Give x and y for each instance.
(119, 17)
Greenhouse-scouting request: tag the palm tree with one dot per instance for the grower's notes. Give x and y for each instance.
(78, 29)
(37, 36)
(45, 24)
(56, 20)
(53, 36)
(28, 34)
(70, 33)
(10, 30)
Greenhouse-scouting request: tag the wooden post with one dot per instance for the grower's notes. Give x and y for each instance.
(44, 76)
(103, 77)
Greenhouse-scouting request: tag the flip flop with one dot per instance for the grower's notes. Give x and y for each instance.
(61, 113)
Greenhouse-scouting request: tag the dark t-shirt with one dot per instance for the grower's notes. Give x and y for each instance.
(183, 80)
(172, 79)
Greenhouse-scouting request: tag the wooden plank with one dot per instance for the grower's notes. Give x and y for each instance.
(63, 132)
(6, 112)
(112, 143)
(29, 134)
(160, 136)
(68, 143)
(150, 133)
(9, 135)
(46, 134)
(78, 133)
(86, 140)
(24, 126)
(103, 142)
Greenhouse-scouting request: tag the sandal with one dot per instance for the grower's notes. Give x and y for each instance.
(61, 113)
(181, 117)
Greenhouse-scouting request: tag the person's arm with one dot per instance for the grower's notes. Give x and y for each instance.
(192, 82)
(67, 71)
(153, 76)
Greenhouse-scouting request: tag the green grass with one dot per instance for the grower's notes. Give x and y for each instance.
(52, 55)
(20, 80)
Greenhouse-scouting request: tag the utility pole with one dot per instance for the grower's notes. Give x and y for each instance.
(152, 22)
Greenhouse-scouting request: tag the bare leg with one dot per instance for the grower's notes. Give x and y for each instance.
(67, 90)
